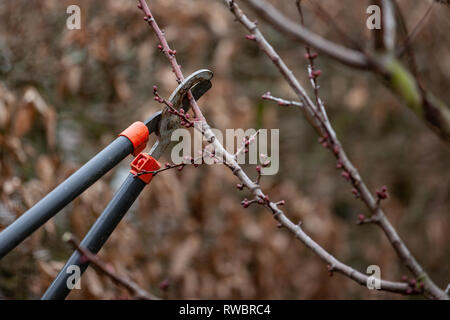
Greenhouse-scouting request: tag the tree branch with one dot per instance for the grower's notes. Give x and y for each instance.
(316, 115)
(345, 55)
(230, 161)
(394, 75)
(335, 265)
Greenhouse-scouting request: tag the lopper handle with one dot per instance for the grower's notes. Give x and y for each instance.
(131, 140)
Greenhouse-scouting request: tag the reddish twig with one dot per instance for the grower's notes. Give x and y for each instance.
(170, 54)
(169, 166)
(185, 118)
(101, 267)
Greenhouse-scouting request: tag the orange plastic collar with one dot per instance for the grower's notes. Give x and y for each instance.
(137, 133)
(142, 163)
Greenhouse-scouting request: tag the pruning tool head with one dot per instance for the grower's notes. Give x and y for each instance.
(163, 123)
(198, 83)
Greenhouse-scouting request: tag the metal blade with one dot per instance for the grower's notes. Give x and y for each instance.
(198, 82)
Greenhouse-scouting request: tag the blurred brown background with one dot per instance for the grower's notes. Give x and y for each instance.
(64, 95)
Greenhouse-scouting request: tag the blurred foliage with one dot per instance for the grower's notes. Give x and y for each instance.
(64, 95)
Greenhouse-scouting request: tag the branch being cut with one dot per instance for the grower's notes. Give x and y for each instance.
(316, 115)
(170, 55)
(263, 199)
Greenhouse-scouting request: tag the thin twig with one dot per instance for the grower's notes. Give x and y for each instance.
(409, 48)
(170, 55)
(281, 102)
(408, 41)
(101, 267)
(313, 74)
(168, 166)
(184, 117)
(180, 166)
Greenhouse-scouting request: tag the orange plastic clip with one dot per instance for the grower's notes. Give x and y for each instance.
(142, 163)
(137, 133)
